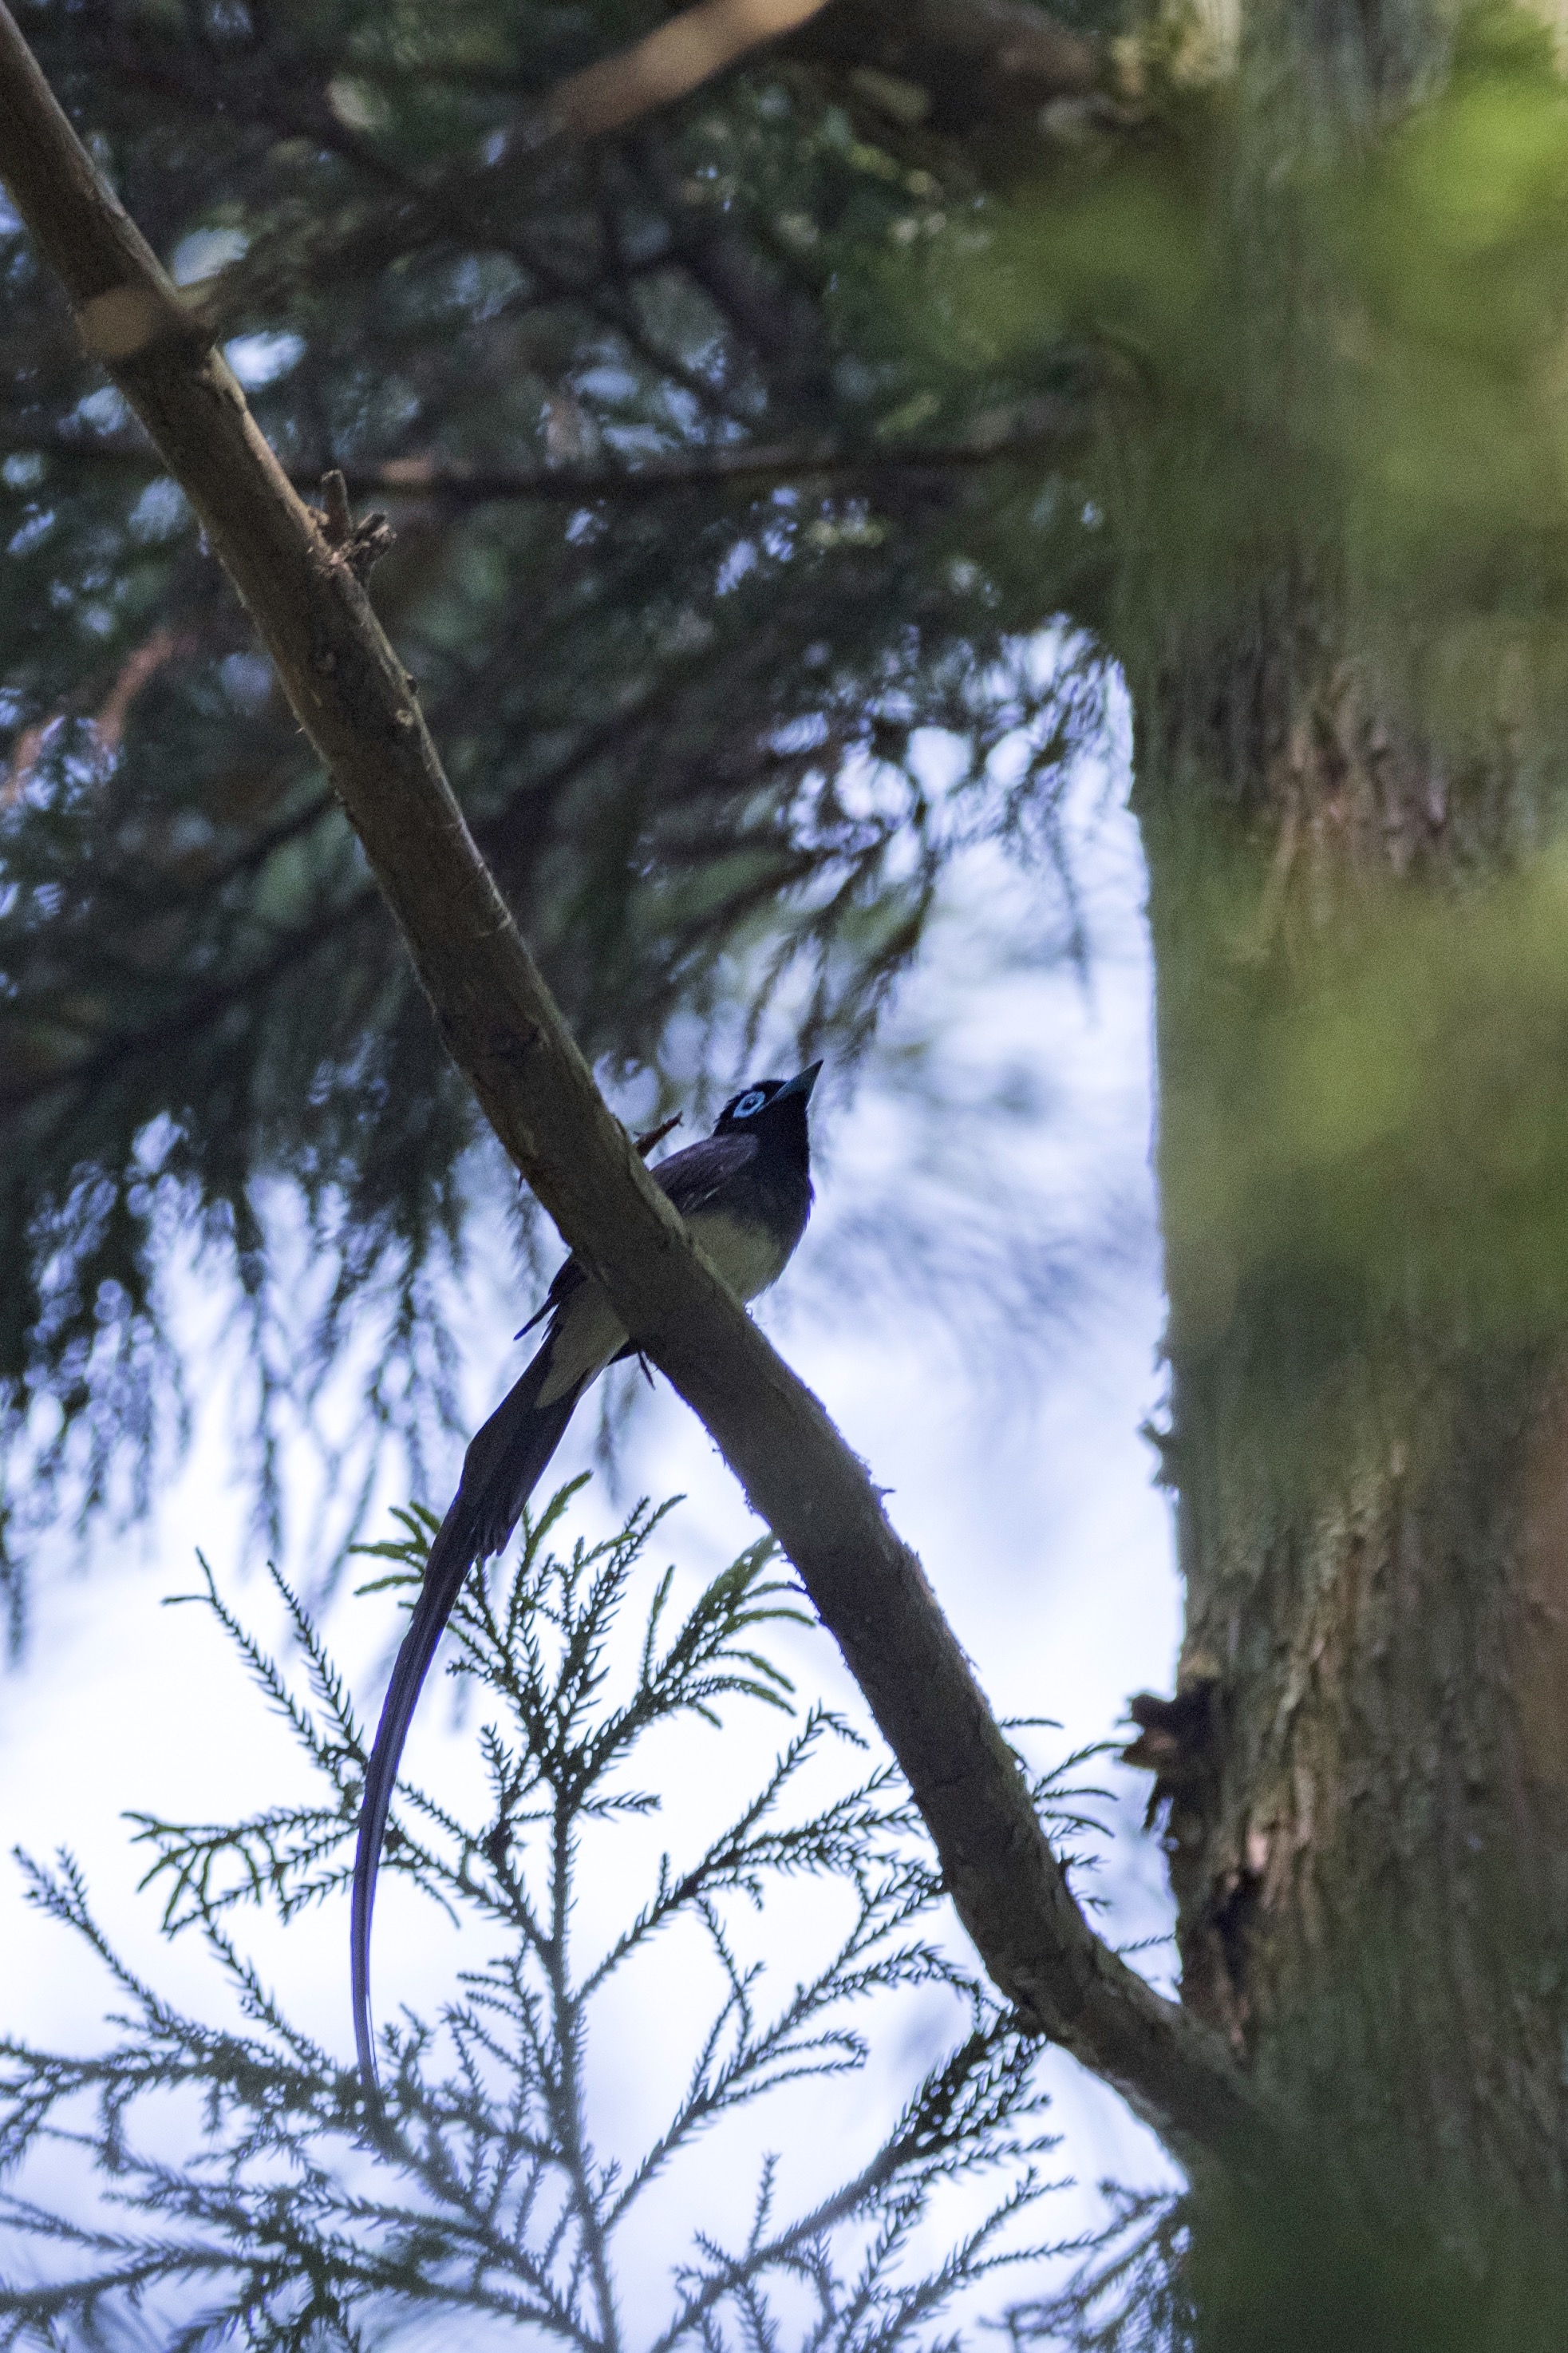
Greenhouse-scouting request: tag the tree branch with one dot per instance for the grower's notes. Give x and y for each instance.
(963, 66)
(1049, 429)
(358, 706)
(973, 63)
(666, 64)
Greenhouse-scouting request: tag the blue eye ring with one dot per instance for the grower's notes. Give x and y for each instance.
(750, 1104)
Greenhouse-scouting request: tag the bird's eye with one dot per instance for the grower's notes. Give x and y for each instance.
(751, 1100)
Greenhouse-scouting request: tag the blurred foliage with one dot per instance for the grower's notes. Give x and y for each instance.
(1306, 351)
(1223, 2270)
(1401, 1131)
(239, 2194)
(1329, 377)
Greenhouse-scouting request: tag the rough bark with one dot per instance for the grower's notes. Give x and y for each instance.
(1365, 1760)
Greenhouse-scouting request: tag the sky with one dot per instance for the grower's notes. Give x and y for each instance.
(1002, 1416)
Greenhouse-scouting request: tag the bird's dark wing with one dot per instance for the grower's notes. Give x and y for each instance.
(692, 1178)
(501, 1470)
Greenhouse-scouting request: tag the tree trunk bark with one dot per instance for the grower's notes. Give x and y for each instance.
(1365, 1766)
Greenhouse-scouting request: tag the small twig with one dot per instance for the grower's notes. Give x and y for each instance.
(361, 544)
(337, 520)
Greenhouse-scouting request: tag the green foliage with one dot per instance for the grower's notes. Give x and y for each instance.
(1327, 357)
(1394, 1131)
(497, 2208)
(1315, 353)
(685, 729)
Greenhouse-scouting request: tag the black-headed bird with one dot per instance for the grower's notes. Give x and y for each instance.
(745, 1195)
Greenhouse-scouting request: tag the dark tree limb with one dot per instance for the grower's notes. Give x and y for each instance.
(1048, 430)
(358, 705)
(966, 66)
(966, 63)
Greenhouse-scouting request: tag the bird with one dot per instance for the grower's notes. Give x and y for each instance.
(745, 1193)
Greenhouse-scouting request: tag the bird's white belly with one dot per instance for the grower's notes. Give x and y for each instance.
(747, 1256)
(590, 1332)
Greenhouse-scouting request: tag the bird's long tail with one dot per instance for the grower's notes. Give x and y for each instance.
(502, 1467)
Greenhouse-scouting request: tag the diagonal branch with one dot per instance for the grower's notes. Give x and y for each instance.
(358, 705)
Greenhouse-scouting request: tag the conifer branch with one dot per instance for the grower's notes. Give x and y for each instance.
(503, 2202)
(1045, 432)
(358, 707)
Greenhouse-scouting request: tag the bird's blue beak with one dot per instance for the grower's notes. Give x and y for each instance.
(801, 1085)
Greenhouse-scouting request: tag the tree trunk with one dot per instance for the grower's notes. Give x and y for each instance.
(1366, 1763)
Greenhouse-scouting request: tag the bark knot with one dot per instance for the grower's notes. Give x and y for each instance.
(1177, 1739)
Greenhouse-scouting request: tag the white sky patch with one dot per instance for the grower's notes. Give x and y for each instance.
(203, 253)
(262, 359)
